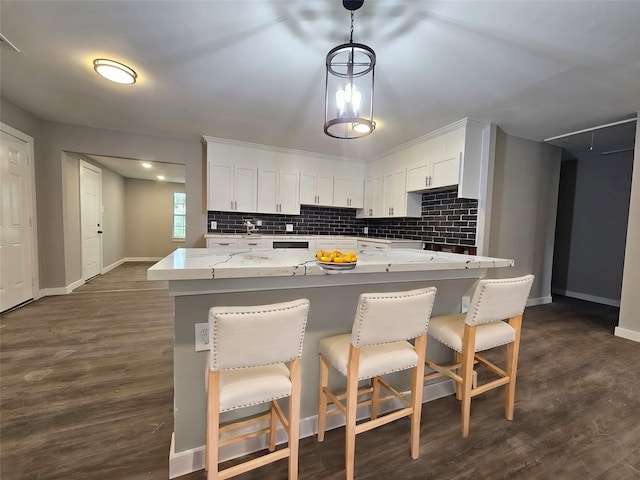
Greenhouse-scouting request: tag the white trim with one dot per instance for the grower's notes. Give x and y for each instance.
(539, 301)
(589, 298)
(192, 460)
(63, 290)
(94, 168)
(113, 265)
(626, 333)
(28, 139)
(143, 259)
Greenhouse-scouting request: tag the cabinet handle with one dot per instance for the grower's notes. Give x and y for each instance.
(426, 181)
(223, 244)
(231, 205)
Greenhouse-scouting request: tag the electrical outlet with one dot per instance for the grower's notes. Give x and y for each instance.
(289, 227)
(258, 223)
(366, 230)
(465, 304)
(214, 225)
(202, 336)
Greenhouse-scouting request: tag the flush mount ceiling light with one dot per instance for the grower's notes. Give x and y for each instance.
(348, 109)
(114, 71)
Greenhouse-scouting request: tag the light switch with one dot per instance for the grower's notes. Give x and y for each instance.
(214, 225)
(289, 227)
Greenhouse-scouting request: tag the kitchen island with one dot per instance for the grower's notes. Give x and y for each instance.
(200, 278)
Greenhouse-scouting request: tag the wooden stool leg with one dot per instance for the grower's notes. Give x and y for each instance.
(273, 424)
(456, 384)
(468, 355)
(375, 395)
(322, 397)
(294, 419)
(513, 350)
(416, 396)
(213, 424)
(352, 405)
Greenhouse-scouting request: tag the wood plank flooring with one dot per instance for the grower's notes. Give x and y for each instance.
(87, 393)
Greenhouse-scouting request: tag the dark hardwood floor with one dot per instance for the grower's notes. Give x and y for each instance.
(86, 390)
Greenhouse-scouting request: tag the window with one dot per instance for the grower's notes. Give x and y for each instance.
(179, 216)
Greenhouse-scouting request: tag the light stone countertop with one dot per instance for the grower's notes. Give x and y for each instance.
(203, 263)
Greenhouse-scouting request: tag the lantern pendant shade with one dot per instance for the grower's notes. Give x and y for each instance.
(349, 91)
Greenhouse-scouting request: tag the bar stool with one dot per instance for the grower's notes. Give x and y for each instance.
(376, 346)
(482, 328)
(249, 347)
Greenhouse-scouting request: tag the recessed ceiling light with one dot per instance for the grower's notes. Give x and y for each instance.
(160, 177)
(147, 165)
(114, 71)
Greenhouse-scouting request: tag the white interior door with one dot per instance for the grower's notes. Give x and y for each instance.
(16, 235)
(90, 218)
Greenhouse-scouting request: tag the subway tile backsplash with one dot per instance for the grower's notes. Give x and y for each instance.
(446, 219)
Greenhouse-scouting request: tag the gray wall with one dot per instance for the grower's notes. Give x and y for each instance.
(523, 211)
(593, 211)
(629, 325)
(58, 242)
(113, 217)
(149, 217)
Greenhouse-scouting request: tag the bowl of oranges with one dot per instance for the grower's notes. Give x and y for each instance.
(336, 260)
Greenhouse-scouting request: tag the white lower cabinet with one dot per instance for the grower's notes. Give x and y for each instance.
(222, 243)
(252, 243)
(378, 244)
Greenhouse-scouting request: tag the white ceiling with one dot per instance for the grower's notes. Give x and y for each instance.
(253, 70)
(132, 168)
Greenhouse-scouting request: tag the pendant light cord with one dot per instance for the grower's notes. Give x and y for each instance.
(351, 34)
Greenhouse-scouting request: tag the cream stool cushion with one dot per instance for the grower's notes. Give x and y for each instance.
(245, 387)
(375, 360)
(449, 329)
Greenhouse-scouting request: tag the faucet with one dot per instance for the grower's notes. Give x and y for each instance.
(250, 227)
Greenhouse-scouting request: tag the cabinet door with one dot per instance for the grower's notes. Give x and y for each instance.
(356, 192)
(340, 192)
(267, 191)
(245, 189)
(446, 169)
(308, 195)
(399, 207)
(220, 185)
(324, 189)
(446, 172)
(418, 178)
(288, 193)
(378, 200)
(222, 243)
(368, 198)
(394, 193)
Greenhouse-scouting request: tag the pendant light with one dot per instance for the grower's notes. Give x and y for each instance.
(349, 86)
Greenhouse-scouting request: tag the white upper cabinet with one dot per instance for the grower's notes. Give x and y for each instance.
(316, 188)
(385, 191)
(231, 187)
(449, 156)
(278, 191)
(348, 187)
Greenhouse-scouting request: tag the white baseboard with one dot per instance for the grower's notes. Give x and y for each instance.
(628, 334)
(538, 301)
(62, 290)
(192, 460)
(143, 259)
(589, 298)
(113, 265)
(46, 292)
